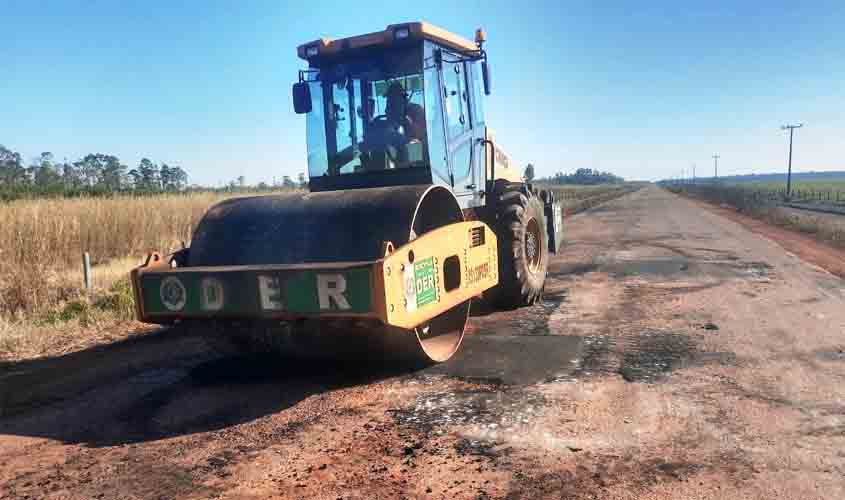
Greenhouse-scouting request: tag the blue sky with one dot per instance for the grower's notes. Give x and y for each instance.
(643, 89)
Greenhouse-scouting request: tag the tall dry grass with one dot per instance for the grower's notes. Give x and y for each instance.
(42, 241)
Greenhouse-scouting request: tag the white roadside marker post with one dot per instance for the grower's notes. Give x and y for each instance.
(86, 270)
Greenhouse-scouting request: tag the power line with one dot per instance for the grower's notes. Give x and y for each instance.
(791, 129)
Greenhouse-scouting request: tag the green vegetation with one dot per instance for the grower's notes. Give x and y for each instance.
(767, 204)
(827, 192)
(99, 174)
(826, 185)
(582, 176)
(744, 193)
(94, 174)
(578, 198)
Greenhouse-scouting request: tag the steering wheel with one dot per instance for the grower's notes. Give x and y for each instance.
(382, 134)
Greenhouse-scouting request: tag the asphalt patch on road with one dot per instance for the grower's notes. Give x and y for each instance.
(673, 267)
(836, 354)
(574, 269)
(663, 267)
(598, 357)
(647, 357)
(511, 360)
(655, 354)
(532, 320)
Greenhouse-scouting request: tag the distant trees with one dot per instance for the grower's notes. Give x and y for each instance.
(102, 174)
(95, 173)
(12, 172)
(584, 176)
(529, 173)
(43, 172)
(151, 177)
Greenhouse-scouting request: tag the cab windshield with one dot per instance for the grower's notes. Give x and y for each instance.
(368, 115)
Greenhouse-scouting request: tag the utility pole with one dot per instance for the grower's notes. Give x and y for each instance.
(791, 129)
(693, 173)
(715, 166)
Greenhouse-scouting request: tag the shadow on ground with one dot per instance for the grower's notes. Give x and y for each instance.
(161, 385)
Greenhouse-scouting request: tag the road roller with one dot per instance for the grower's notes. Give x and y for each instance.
(412, 212)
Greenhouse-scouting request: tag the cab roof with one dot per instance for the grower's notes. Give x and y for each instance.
(328, 47)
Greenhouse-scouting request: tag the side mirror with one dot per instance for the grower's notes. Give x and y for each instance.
(485, 76)
(301, 97)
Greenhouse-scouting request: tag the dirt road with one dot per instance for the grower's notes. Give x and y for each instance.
(677, 355)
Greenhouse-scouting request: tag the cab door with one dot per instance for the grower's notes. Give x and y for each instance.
(459, 128)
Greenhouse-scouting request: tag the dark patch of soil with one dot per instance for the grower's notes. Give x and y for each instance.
(595, 473)
(478, 448)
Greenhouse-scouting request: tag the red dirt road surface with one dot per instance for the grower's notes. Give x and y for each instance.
(676, 355)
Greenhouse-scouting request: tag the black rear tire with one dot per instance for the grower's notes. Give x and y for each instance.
(523, 247)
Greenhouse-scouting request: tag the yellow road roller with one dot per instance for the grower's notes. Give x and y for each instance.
(412, 212)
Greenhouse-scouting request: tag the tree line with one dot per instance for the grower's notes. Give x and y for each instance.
(94, 173)
(586, 176)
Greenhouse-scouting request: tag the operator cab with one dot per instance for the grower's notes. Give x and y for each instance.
(396, 107)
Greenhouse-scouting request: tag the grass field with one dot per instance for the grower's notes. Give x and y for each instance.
(838, 185)
(42, 297)
(576, 198)
(42, 241)
(827, 191)
(766, 204)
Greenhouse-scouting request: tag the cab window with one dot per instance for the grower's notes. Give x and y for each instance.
(455, 96)
(477, 90)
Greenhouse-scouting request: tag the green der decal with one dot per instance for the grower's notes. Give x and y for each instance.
(424, 279)
(257, 292)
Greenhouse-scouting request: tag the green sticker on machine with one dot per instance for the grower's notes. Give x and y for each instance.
(424, 275)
